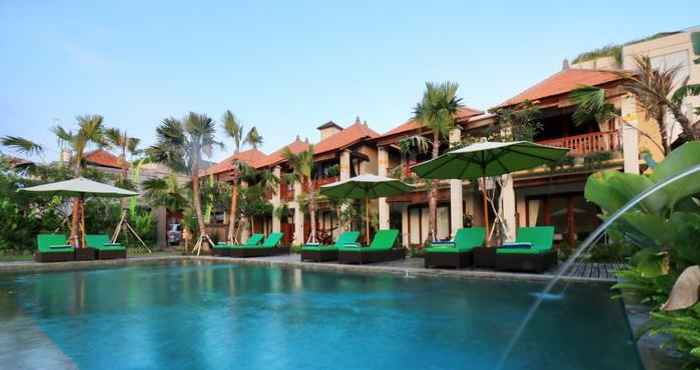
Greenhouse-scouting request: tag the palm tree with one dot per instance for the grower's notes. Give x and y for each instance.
(653, 88)
(591, 105)
(180, 145)
(125, 144)
(165, 192)
(302, 164)
(436, 112)
(90, 131)
(234, 130)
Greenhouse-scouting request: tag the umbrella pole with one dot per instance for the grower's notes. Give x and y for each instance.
(367, 221)
(486, 210)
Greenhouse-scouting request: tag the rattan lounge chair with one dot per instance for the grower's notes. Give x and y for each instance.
(104, 247)
(457, 253)
(532, 251)
(53, 248)
(320, 253)
(381, 249)
(224, 249)
(270, 247)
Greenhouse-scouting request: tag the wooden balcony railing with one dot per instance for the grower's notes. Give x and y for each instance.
(580, 145)
(322, 181)
(286, 192)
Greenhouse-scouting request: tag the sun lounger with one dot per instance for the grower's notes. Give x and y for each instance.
(457, 253)
(320, 253)
(270, 247)
(104, 247)
(532, 251)
(224, 249)
(53, 248)
(381, 249)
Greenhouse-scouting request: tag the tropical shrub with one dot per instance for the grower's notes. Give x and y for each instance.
(666, 229)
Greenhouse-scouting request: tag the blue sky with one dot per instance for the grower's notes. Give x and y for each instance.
(286, 67)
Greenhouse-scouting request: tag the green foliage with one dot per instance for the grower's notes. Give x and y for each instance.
(437, 108)
(596, 159)
(614, 51)
(611, 253)
(518, 123)
(666, 229)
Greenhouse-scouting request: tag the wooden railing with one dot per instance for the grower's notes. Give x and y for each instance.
(322, 181)
(588, 143)
(286, 192)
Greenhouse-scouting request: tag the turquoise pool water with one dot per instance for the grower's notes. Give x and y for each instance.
(196, 315)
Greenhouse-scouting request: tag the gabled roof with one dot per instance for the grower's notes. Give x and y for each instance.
(296, 146)
(562, 82)
(101, 157)
(345, 138)
(251, 157)
(463, 114)
(329, 124)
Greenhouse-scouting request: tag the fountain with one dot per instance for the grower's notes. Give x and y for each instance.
(589, 242)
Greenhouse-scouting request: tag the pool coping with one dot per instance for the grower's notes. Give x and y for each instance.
(35, 267)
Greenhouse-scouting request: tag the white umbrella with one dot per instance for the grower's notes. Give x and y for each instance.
(81, 187)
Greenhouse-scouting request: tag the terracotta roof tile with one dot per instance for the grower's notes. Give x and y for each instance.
(563, 82)
(276, 157)
(342, 139)
(251, 157)
(101, 157)
(463, 114)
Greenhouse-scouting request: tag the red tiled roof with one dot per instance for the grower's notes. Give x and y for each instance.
(250, 157)
(342, 139)
(104, 158)
(563, 82)
(297, 146)
(411, 125)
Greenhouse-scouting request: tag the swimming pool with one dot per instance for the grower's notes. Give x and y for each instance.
(198, 315)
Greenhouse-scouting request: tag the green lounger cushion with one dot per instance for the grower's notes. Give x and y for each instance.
(346, 237)
(540, 237)
(102, 242)
(49, 243)
(253, 240)
(384, 240)
(465, 240)
(273, 240)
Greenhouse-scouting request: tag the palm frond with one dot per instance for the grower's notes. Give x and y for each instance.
(438, 107)
(21, 145)
(253, 138)
(233, 128)
(591, 105)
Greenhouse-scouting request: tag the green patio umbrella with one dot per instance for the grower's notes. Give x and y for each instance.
(81, 187)
(488, 158)
(365, 187)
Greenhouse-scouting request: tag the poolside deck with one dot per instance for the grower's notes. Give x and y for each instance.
(584, 272)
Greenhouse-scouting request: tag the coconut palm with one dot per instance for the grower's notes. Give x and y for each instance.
(180, 145)
(90, 131)
(302, 164)
(436, 112)
(119, 140)
(234, 130)
(591, 105)
(165, 192)
(653, 88)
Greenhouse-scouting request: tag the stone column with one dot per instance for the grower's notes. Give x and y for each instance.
(456, 211)
(298, 217)
(345, 165)
(383, 165)
(276, 202)
(161, 226)
(629, 135)
(405, 237)
(508, 193)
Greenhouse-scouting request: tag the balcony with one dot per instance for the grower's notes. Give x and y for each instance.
(580, 145)
(286, 192)
(320, 182)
